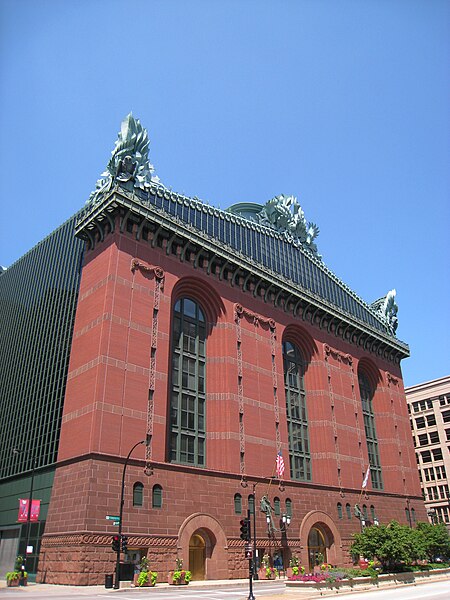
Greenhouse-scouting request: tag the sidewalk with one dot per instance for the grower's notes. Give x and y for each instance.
(90, 590)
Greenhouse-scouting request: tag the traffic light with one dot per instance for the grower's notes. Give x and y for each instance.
(245, 529)
(124, 544)
(115, 543)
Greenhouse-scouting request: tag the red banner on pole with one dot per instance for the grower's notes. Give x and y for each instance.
(23, 510)
(35, 509)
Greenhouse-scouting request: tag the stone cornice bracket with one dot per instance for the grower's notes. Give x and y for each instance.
(241, 311)
(137, 264)
(339, 356)
(391, 379)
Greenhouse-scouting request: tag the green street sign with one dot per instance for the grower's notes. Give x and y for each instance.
(112, 518)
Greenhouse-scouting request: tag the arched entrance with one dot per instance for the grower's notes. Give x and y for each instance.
(317, 547)
(321, 537)
(202, 532)
(197, 557)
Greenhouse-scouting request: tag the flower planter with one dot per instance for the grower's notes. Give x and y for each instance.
(147, 583)
(176, 581)
(13, 582)
(262, 574)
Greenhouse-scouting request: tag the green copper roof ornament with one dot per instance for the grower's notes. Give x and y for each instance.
(388, 309)
(129, 164)
(285, 214)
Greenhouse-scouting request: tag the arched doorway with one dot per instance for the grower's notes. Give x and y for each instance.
(317, 547)
(197, 556)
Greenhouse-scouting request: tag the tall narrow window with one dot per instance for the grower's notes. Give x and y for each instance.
(276, 506)
(297, 420)
(157, 496)
(348, 510)
(366, 392)
(138, 494)
(289, 507)
(237, 504)
(187, 402)
(251, 504)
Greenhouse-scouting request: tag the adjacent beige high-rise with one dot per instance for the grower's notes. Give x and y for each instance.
(429, 408)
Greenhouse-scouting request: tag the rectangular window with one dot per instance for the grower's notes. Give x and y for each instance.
(434, 437)
(431, 420)
(440, 472)
(446, 416)
(426, 456)
(423, 439)
(437, 454)
(420, 422)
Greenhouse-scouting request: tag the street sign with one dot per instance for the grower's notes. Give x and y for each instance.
(112, 518)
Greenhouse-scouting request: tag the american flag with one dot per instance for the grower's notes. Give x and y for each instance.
(280, 465)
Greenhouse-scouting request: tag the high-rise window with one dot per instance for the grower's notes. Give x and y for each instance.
(366, 392)
(297, 419)
(187, 403)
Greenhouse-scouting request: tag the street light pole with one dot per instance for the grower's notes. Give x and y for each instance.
(116, 582)
(255, 551)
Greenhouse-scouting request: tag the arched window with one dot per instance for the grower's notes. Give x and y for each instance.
(289, 507)
(372, 513)
(413, 515)
(297, 418)
(138, 494)
(237, 504)
(187, 402)
(348, 510)
(276, 506)
(157, 496)
(366, 392)
(339, 510)
(251, 504)
(366, 516)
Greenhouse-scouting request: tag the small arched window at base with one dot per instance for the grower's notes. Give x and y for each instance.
(157, 496)
(138, 494)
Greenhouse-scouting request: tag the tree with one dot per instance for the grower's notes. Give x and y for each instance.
(389, 544)
(436, 540)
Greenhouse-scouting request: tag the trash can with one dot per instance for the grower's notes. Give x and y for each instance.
(108, 581)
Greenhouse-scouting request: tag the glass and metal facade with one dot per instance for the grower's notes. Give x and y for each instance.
(38, 298)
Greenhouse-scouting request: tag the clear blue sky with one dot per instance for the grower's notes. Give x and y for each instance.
(344, 104)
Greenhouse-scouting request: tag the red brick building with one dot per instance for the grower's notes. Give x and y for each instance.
(222, 339)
